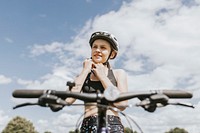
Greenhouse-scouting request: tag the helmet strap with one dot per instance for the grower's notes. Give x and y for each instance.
(107, 63)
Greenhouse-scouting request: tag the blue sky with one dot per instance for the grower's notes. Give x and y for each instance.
(26, 23)
(43, 44)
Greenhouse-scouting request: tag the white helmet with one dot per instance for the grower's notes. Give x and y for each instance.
(106, 36)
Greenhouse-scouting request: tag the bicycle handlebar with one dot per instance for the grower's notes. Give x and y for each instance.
(149, 99)
(55, 100)
(93, 97)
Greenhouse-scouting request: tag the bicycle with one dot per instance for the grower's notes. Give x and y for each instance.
(149, 100)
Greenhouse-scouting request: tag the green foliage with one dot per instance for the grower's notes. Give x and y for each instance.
(177, 130)
(128, 130)
(76, 131)
(19, 125)
(72, 132)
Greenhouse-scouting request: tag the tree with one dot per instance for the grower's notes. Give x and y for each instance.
(128, 130)
(76, 131)
(177, 130)
(19, 125)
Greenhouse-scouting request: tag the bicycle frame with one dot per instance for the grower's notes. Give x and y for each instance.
(101, 119)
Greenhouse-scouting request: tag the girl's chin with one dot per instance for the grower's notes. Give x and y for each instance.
(97, 61)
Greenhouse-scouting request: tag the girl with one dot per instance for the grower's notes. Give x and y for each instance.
(97, 74)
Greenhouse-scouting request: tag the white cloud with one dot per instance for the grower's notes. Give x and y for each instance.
(3, 120)
(42, 15)
(56, 80)
(159, 47)
(169, 117)
(5, 80)
(43, 125)
(88, 1)
(23, 82)
(9, 40)
(66, 121)
(63, 123)
(55, 47)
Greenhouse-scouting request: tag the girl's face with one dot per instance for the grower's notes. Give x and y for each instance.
(100, 51)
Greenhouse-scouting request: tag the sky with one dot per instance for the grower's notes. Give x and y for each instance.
(44, 42)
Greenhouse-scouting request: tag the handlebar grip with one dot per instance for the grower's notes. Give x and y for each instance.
(28, 93)
(169, 93)
(62, 94)
(177, 94)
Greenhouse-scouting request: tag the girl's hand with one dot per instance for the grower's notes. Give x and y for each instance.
(87, 64)
(99, 70)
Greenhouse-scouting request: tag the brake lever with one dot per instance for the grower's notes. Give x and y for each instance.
(46, 100)
(150, 104)
(181, 104)
(159, 100)
(24, 104)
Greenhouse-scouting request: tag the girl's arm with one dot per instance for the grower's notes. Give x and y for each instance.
(122, 86)
(79, 81)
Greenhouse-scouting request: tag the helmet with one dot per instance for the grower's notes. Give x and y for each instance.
(106, 36)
